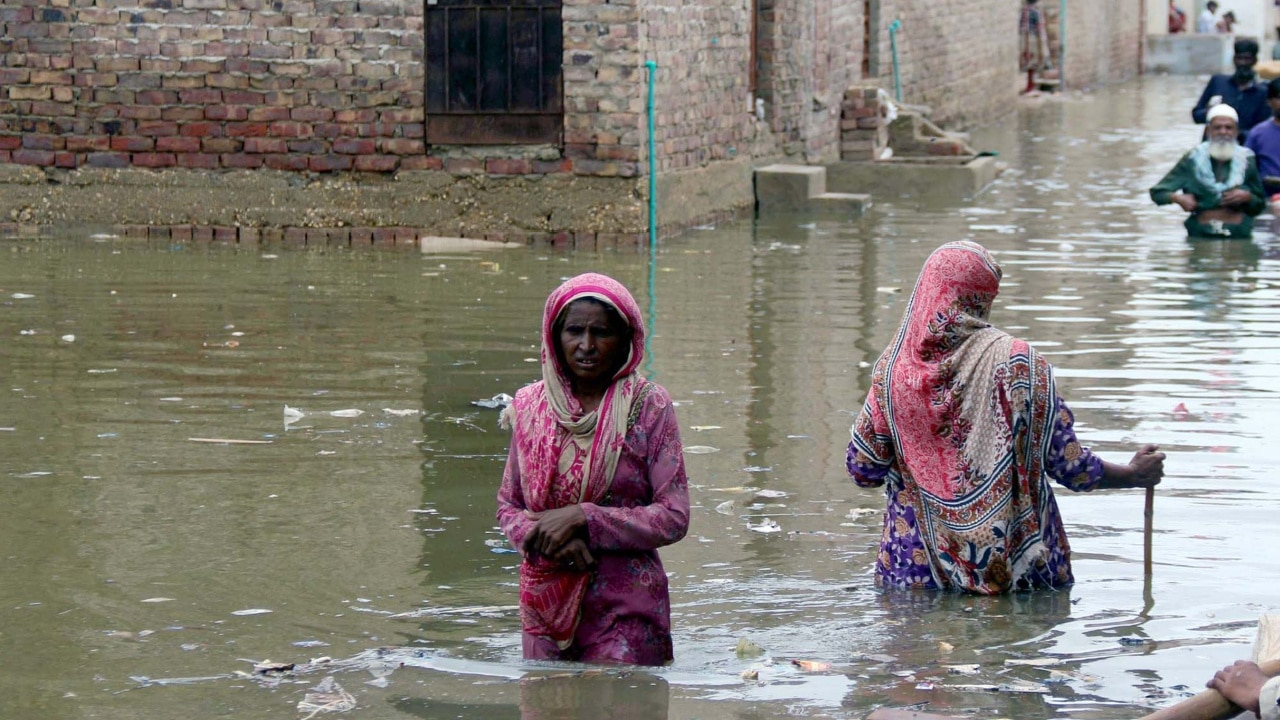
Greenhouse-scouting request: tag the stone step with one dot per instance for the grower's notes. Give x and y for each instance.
(847, 204)
(789, 187)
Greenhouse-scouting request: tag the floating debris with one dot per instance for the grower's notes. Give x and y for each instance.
(229, 441)
(326, 696)
(812, 665)
(251, 611)
(700, 449)
(497, 402)
(945, 647)
(401, 413)
(348, 413)
(766, 527)
(1019, 686)
(725, 508)
(771, 494)
(1034, 662)
(68, 338)
(158, 600)
(292, 415)
(756, 469)
(750, 675)
(971, 669)
(266, 666)
(747, 649)
(701, 428)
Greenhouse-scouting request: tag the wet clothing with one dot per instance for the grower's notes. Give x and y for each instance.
(1268, 700)
(1191, 175)
(1250, 103)
(623, 464)
(1264, 141)
(963, 426)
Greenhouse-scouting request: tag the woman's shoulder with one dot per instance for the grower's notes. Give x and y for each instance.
(654, 396)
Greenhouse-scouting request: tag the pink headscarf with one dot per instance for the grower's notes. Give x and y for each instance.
(566, 456)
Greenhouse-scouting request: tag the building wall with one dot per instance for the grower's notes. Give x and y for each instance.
(327, 86)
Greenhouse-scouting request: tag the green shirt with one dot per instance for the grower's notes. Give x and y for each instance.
(1182, 178)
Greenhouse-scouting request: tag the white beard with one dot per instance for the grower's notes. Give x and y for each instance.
(1222, 150)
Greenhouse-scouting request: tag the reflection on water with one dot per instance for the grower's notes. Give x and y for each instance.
(144, 570)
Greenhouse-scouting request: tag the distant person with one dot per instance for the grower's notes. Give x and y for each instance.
(1244, 684)
(964, 428)
(1034, 42)
(1227, 24)
(1177, 19)
(1217, 182)
(1208, 18)
(1264, 141)
(1241, 90)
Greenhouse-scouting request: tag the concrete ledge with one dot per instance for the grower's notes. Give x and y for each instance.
(789, 187)
(1188, 54)
(935, 179)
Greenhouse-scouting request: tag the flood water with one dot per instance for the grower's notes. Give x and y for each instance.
(132, 550)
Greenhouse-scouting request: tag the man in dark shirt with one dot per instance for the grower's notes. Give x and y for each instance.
(1240, 90)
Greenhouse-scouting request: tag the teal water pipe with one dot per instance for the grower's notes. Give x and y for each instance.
(653, 170)
(894, 27)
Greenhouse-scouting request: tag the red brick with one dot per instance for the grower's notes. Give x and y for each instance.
(296, 163)
(140, 112)
(543, 167)
(157, 127)
(42, 142)
(311, 114)
(158, 233)
(289, 129)
(201, 233)
(154, 160)
(361, 236)
(241, 97)
(262, 114)
(178, 144)
(248, 235)
(421, 162)
(180, 232)
(201, 129)
(10, 142)
(132, 144)
(384, 236)
(225, 234)
(355, 146)
(377, 163)
(246, 129)
(86, 144)
(403, 146)
(14, 76)
(506, 166)
(198, 161)
(295, 236)
(156, 97)
(226, 112)
(201, 97)
(265, 145)
(33, 157)
(96, 79)
(330, 163)
(182, 114)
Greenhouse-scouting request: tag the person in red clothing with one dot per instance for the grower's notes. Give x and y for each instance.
(1177, 19)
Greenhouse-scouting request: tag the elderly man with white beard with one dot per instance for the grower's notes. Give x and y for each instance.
(1217, 182)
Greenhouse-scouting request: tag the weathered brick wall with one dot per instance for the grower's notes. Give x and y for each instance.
(289, 84)
(702, 48)
(960, 57)
(603, 87)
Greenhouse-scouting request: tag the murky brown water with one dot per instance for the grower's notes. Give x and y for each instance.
(129, 548)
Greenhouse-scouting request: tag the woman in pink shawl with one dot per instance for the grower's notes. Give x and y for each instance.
(594, 485)
(964, 427)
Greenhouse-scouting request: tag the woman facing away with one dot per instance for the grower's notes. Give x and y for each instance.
(964, 426)
(594, 484)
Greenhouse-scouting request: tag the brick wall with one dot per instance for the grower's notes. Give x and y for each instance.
(1103, 41)
(603, 87)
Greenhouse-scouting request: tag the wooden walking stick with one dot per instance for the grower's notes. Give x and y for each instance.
(1147, 514)
(1208, 705)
